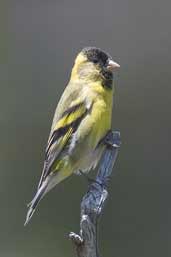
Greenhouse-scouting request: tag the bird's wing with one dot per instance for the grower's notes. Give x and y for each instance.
(62, 133)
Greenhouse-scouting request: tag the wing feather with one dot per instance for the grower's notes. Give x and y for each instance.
(61, 136)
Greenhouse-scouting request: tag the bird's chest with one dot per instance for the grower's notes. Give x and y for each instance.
(97, 127)
(101, 115)
(93, 128)
(90, 131)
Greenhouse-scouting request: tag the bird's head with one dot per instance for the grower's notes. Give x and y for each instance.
(93, 64)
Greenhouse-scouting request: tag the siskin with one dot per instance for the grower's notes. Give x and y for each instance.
(82, 119)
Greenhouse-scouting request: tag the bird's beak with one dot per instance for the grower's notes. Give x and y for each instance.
(112, 65)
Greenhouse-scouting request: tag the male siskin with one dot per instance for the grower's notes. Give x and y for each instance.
(82, 119)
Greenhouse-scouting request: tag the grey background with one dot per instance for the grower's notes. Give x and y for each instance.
(39, 42)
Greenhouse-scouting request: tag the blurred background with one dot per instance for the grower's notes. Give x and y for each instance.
(38, 44)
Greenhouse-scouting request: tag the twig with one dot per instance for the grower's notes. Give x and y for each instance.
(93, 202)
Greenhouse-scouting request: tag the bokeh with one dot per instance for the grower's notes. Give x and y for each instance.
(39, 42)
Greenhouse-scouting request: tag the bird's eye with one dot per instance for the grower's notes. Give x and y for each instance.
(95, 60)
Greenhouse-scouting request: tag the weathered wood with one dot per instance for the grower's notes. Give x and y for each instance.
(93, 202)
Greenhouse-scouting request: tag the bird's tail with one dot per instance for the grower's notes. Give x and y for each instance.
(33, 204)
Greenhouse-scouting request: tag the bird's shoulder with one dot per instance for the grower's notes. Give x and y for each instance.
(71, 96)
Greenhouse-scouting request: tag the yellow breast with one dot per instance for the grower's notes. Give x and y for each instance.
(101, 112)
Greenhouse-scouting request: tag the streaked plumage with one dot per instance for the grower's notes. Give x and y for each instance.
(82, 118)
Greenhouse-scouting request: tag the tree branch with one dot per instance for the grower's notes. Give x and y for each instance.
(93, 202)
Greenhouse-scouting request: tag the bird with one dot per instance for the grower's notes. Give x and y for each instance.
(82, 118)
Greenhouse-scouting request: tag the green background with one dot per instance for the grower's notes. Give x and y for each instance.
(38, 44)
